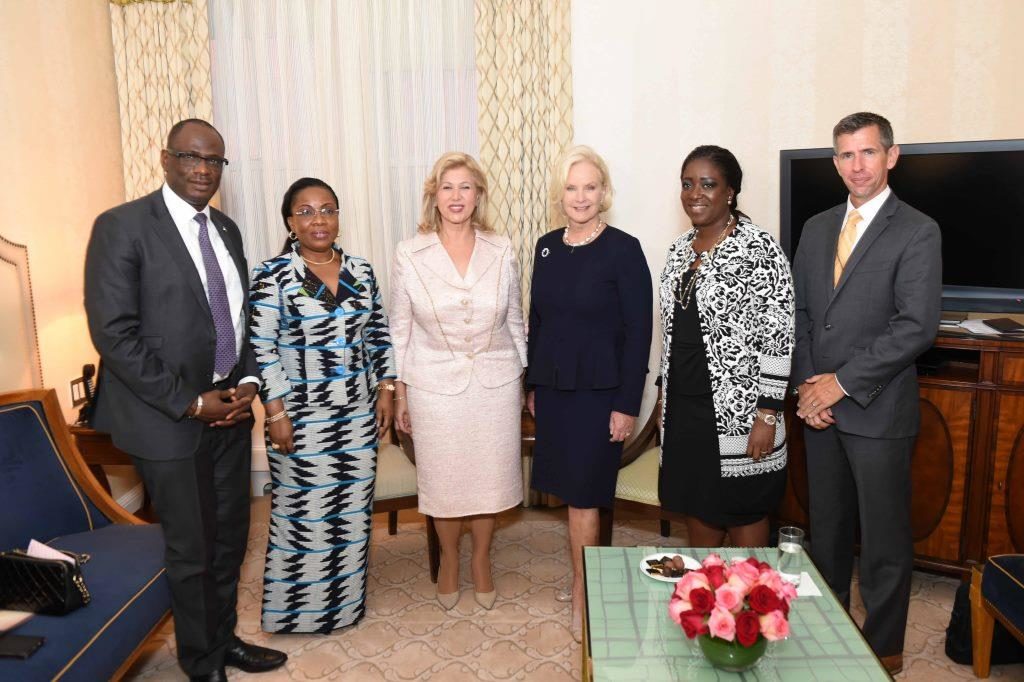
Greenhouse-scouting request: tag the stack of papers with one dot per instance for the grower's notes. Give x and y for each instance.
(999, 325)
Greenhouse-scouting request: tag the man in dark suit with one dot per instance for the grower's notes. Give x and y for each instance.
(166, 295)
(868, 278)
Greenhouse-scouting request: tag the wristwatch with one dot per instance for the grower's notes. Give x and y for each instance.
(769, 419)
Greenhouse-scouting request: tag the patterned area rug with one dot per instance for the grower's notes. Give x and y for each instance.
(407, 636)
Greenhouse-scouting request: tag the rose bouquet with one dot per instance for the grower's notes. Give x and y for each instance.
(742, 602)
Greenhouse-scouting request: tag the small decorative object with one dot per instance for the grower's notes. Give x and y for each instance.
(734, 609)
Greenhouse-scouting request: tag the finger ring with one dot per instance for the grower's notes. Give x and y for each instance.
(814, 404)
(629, 433)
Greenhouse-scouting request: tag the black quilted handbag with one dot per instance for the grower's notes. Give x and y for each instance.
(47, 586)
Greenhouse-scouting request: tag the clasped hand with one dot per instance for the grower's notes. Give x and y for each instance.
(229, 406)
(817, 396)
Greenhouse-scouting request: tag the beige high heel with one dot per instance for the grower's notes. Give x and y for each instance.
(448, 601)
(486, 599)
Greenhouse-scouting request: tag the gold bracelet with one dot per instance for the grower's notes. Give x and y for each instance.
(277, 417)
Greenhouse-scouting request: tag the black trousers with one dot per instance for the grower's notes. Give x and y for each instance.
(203, 505)
(855, 478)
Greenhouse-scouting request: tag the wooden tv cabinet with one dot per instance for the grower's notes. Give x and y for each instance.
(968, 464)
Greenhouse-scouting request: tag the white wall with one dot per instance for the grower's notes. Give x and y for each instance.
(654, 79)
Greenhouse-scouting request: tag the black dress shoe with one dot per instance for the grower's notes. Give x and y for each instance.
(215, 676)
(252, 658)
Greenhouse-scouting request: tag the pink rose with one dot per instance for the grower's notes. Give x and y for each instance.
(712, 560)
(774, 626)
(771, 580)
(722, 624)
(676, 606)
(693, 580)
(788, 591)
(745, 571)
(729, 598)
(703, 600)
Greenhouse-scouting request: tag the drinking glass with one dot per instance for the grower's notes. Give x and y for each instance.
(791, 553)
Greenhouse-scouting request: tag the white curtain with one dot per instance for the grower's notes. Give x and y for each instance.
(363, 94)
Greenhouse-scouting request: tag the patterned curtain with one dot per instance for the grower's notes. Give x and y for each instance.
(524, 98)
(162, 60)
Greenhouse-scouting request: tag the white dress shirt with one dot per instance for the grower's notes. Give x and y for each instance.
(868, 210)
(183, 214)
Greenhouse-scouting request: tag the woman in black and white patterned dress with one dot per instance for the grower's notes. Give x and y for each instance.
(727, 319)
(321, 337)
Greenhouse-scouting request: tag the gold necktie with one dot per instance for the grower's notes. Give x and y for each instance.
(845, 246)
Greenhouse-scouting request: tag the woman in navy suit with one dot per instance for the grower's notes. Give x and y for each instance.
(589, 341)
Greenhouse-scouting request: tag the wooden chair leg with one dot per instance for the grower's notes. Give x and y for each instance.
(433, 549)
(666, 528)
(393, 522)
(604, 532)
(982, 626)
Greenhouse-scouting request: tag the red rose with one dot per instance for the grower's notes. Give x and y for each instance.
(693, 623)
(754, 562)
(702, 599)
(764, 600)
(748, 628)
(784, 607)
(716, 576)
(762, 567)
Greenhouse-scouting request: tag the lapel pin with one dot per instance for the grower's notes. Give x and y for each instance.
(544, 252)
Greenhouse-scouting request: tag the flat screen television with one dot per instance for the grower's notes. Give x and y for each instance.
(974, 190)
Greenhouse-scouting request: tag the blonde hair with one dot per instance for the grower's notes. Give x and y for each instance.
(560, 177)
(430, 218)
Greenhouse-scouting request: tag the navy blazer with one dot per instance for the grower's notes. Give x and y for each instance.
(591, 316)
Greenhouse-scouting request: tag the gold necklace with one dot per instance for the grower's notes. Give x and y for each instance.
(681, 293)
(315, 262)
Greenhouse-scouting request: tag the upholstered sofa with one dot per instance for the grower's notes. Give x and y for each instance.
(47, 493)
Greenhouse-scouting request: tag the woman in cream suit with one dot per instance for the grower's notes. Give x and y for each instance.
(460, 350)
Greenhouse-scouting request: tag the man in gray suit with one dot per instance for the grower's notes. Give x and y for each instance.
(868, 278)
(166, 293)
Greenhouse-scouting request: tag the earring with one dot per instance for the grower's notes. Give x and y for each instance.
(292, 236)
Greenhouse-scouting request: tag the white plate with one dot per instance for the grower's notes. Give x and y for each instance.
(688, 562)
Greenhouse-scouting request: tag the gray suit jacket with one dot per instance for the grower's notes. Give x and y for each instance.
(870, 328)
(150, 320)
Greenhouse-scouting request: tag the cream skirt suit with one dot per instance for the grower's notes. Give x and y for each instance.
(460, 348)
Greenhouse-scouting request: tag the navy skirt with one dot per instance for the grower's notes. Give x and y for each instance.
(572, 457)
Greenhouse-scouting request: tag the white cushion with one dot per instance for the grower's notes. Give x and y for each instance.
(638, 481)
(396, 475)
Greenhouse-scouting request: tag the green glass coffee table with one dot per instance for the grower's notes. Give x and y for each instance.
(629, 635)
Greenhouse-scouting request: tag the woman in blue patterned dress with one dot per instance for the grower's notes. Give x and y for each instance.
(321, 337)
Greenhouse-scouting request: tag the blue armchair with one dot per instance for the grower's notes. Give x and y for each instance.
(47, 493)
(997, 594)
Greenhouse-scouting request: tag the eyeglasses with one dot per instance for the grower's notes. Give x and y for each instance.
(191, 160)
(325, 212)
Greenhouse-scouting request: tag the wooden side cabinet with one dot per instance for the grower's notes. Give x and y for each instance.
(967, 499)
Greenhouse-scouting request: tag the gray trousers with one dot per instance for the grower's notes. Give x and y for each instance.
(867, 480)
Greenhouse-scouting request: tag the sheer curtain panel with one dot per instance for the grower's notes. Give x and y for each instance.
(362, 94)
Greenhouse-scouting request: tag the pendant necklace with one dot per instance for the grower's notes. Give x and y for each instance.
(682, 293)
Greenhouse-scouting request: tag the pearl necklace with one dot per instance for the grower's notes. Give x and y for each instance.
(590, 237)
(324, 262)
(683, 297)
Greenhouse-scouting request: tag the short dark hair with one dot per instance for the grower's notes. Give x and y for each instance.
(176, 128)
(863, 119)
(289, 197)
(726, 163)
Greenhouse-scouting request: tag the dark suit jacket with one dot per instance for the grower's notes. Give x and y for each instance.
(151, 323)
(870, 329)
(591, 317)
